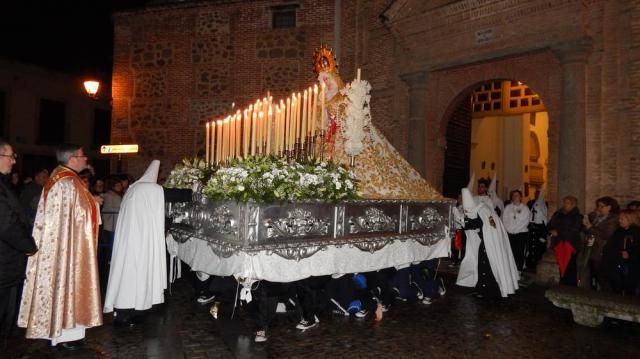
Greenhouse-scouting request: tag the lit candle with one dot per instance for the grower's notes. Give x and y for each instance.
(207, 144)
(261, 133)
(305, 105)
(219, 142)
(225, 139)
(232, 137)
(287, 123)
(269, 123)
(246, 131)
(292, 135)
(238, 130)
(358, 77)
(253, 132)
(314, 104)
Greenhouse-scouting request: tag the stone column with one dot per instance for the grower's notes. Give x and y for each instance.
(416, 124)
(572, 143)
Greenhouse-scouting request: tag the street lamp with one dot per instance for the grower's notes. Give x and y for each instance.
(92, 87)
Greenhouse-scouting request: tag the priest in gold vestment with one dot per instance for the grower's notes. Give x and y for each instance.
(61, 296)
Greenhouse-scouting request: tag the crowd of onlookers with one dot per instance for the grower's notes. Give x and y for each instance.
(599, 250)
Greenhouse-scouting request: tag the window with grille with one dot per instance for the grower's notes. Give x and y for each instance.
(504, 97)
(283, 16)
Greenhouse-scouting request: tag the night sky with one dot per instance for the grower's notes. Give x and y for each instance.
(74, 36)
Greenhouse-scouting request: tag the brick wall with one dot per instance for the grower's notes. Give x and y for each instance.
(178, 66)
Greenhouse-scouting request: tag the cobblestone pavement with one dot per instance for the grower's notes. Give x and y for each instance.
(455, 326)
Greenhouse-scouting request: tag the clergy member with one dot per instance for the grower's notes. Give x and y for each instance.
(488, 264)
(61, 295)
(138, 275)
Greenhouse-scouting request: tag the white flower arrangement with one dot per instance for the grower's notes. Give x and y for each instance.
(358, 115)
(188, 174)
(271, 179)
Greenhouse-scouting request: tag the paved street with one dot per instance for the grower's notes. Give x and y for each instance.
(456, 326)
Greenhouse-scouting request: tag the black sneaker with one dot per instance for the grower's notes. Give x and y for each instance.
(73, 345)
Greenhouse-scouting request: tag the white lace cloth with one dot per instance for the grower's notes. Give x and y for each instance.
(197, 254)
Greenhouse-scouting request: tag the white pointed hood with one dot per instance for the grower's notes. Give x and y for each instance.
(540, 209)
(469, 204)
(497, 201)
(151, 174)
(472, 182)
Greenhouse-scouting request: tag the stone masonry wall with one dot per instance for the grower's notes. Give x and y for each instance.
(178, 66)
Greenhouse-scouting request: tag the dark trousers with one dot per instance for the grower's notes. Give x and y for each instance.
(518, 243)
(8, 304)
(224, 288)
(424, 275)
(312, 296)
(536, 247)
(571, 273)
(105, 250)
(379, 283)
(344, 291)
(267, 296)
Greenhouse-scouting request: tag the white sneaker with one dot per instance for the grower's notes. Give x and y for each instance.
(203, 299)
(261, 336)
(442, 290)
(361, 314)
(304, 325)
(385, 308)
(426, 300)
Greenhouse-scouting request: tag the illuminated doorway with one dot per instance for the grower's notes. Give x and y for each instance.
(499, 127)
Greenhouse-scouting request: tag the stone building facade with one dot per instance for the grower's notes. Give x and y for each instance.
(41, 108)
(177, 65)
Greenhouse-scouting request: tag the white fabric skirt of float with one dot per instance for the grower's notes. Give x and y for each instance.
(333, 260)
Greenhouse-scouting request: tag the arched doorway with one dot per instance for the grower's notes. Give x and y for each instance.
(497, 127)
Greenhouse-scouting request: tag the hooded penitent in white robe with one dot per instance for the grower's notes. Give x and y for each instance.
(138, 275)
(496, 242)
(493, 194)
(539, 210)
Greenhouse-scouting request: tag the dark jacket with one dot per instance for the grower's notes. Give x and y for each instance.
(569, 225)
(622, 239)
(15, 238)
(602, 231)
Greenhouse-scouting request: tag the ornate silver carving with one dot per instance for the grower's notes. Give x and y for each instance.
(221, 221)
(223, 249)
(373, 220)
(372, 246)
(299, 230)
(298, 223)
(298, 253)
(429, 218)
(251, 216)
(338, 230)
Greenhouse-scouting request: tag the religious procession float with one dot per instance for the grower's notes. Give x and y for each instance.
(304, 186)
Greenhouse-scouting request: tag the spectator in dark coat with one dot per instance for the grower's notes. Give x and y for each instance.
(565, 227)
(15, 242)
(30, 195)
(621, 255)
(599, 226)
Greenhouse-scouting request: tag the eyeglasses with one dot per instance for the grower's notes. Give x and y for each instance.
(82, 156)
(14, 156)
